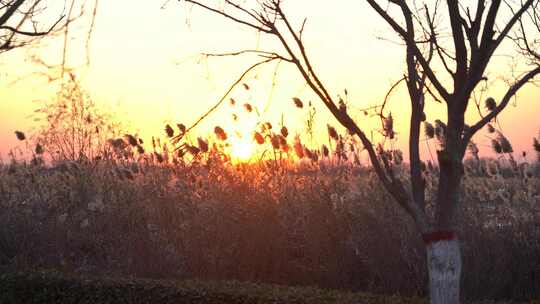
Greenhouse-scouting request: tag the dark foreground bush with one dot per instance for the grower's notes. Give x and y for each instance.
(47, 287)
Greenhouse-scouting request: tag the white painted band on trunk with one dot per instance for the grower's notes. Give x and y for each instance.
(444, 267)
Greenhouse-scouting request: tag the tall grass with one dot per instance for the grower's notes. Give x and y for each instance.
(314, 225)
(302, 216)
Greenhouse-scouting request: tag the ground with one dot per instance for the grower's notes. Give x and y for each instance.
(54, 287)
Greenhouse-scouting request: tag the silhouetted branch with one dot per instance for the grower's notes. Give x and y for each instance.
(460, 76)
(31, 34)
(263, 54)
(440, 50)
(14, 19)
(502, 105)
(217, 11)
(404, 34)
(179, 137)
(385, 101)
(10, 11)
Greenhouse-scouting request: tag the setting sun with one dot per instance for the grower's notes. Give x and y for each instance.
(241, 148)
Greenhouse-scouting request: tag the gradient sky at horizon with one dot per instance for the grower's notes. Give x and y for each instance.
(145, 67)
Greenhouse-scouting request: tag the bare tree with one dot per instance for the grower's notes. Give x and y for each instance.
(22, 21)
(477, 31)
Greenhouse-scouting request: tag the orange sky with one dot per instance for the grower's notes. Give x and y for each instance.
(144, 66)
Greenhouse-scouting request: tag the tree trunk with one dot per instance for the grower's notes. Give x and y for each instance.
(444, 268)
(443, 250)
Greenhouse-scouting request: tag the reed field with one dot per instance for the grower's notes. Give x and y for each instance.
(82, 196)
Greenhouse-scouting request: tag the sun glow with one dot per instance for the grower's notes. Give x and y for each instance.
(242, 148)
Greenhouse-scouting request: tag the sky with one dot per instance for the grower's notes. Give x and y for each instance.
(145, 65)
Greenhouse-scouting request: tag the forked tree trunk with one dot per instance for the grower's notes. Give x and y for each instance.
(444, 268)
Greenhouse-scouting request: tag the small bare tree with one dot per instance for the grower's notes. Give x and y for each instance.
(72, 126)
(477, 31)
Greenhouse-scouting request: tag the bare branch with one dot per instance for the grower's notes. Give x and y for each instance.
(304, 55)
(217, 11)
(502, 105)
(179, 137)
(418, 54)
(260, 53)
(516, 16)
(11, 9)
(440, 50)
(31, 34)
(459, 44)
(385, 101)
